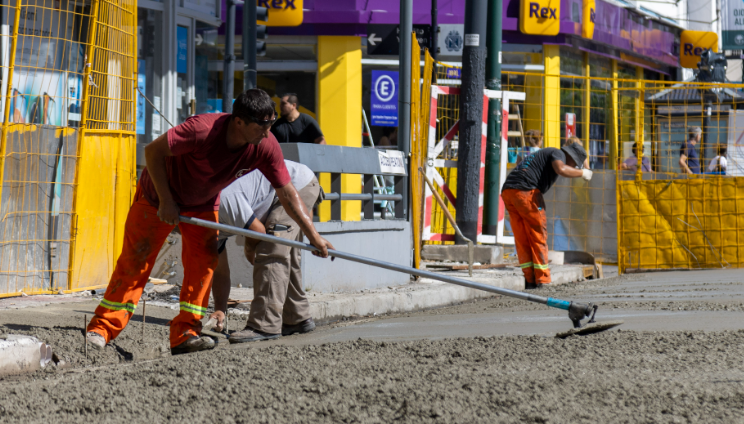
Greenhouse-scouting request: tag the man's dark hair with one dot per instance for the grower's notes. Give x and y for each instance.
(253, 104)
(722, 148)
(292, 98)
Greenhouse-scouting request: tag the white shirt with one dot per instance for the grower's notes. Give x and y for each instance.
(252, 194)
(714, 163)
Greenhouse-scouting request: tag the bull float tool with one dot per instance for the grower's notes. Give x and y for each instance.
(576, 311)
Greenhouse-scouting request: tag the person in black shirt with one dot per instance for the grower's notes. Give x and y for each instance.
(523, 197)
(294, 126)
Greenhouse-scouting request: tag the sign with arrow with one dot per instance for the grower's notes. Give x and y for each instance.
(384, 39)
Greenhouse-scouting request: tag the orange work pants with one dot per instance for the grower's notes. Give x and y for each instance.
(530, 227)
(143, 237)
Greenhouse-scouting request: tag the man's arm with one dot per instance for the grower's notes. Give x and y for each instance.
(295, 207)
(221, 279)
(155, 154)
(683, 164)
(250, 244)
(320, 140)
(564, 170)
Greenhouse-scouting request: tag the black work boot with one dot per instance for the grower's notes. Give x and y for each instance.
(530, 286)
(304, 327)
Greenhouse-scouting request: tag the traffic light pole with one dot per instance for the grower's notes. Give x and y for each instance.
(404, 96)
(249, 45)
(471, 118)
(493, 141)
(228, 76)
(434, 30)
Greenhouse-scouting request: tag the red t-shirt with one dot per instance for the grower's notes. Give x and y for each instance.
(202, 165)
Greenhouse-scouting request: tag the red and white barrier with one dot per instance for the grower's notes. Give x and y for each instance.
(435, 148)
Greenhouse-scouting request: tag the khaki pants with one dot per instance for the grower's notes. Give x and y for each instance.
(278, 296)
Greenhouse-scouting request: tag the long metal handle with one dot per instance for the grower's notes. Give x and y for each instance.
(373, 262)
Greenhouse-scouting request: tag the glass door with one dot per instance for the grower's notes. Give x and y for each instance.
(185, 101)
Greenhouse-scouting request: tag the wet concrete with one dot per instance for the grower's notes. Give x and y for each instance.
(676, 359)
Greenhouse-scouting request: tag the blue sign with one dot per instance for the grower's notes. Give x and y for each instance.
(384, 101)
(453, 73)
(182, 40)
(141, 85)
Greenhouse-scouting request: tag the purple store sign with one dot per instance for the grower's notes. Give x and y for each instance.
(615, 26)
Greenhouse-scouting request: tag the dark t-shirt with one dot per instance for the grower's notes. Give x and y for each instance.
(302, 130)
(536, 171)
(693, 159)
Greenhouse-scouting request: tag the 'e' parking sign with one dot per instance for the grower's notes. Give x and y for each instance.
(384, 101)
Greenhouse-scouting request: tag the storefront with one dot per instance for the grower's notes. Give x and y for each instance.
(174, 42)
(325, 61)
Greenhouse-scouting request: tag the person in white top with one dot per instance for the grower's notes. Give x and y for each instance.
(718, 164)
(279, 305)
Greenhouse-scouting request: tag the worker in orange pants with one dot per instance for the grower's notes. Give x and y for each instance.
(530, 227)
(187, 168)
(144, 235)
(522, 194)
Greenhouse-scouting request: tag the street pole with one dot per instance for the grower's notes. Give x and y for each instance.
(493, 146)
(228, 77)
(249, 45)
(434, 29)
(471, 118)
(404, 93)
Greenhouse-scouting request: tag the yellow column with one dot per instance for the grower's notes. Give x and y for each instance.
(340, 110)
(613, 118)
(552, 96)
(587, 102)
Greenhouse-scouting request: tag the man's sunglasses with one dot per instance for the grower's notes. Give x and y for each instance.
(262, 122)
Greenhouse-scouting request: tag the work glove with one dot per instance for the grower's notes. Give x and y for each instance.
(586, 174)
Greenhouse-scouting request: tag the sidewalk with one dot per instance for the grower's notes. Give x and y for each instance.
(329, 307)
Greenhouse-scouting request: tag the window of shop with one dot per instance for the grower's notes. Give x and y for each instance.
(149, 74)
(572, 93)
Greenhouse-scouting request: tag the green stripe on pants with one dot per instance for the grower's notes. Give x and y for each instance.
(194, 309)
(116, 306)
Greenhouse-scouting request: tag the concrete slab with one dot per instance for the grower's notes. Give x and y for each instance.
(459, 253)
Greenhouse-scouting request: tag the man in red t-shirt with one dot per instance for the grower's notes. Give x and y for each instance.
(186, 170)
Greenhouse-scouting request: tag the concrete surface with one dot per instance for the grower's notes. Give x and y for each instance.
(459, 253)
(677, 359)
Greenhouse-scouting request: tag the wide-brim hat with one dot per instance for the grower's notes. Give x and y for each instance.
(577, 153)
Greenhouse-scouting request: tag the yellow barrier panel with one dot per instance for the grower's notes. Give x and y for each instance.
(68, 146)
(642, 210)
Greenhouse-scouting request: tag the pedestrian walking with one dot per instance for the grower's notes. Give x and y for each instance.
(295, 126)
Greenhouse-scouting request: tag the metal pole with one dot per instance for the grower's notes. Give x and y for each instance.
(404, 87)
(471, 118)
(434, 30)
(249, 45)
(228, 75)
(493, 146)
(575, 309)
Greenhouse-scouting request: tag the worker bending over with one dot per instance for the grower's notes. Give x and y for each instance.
(279, 306)
(186, 169)
(523, 197)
